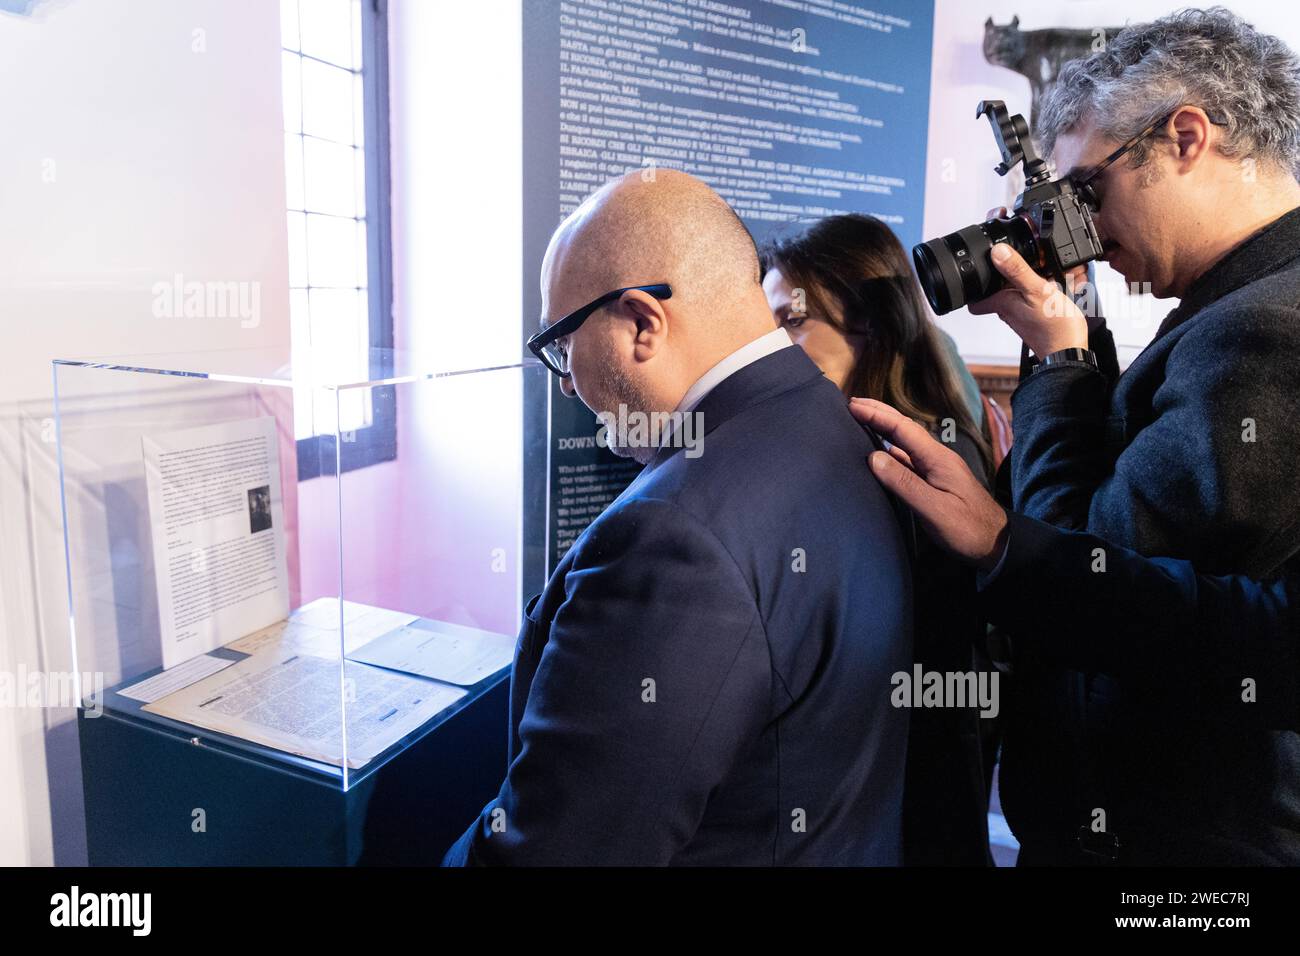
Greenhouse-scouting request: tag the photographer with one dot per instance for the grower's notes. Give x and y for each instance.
(1129, 621)
(1188, 130)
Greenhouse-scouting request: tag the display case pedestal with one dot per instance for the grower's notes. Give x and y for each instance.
(157, 798)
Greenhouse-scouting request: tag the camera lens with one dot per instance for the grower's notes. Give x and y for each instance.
(956, 269)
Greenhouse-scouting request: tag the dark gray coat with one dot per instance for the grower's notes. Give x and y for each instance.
(1192, 453)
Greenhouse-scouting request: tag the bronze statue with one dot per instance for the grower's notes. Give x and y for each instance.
(1038, 55)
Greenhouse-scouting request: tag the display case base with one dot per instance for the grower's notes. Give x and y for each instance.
(157, 798)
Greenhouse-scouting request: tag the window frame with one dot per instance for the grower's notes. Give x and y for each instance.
(377, 442)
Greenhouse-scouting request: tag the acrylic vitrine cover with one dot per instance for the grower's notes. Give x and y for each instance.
(310, 569)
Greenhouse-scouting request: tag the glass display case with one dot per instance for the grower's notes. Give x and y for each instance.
(305, 569)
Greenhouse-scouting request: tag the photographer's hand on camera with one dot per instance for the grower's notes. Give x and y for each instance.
(1045, 318)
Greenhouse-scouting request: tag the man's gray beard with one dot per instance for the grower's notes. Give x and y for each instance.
(640, 455)
(621, 389)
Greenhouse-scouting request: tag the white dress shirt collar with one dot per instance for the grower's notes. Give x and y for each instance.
(747, 354)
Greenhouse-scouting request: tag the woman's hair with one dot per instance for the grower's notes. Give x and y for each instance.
(854, 274)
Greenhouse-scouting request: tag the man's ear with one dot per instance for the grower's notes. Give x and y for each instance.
(650, 323)
(1192, 130)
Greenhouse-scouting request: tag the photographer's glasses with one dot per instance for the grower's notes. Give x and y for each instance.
(548, 344)
(1085, 183)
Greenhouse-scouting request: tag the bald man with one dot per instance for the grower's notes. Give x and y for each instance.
(706, 678)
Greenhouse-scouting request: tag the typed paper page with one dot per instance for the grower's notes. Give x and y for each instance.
(217, 516)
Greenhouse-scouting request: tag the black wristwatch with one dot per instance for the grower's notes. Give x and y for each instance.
(1063, 356)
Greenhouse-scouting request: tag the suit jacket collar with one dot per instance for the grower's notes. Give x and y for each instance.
(781, 371)
(1264, 253)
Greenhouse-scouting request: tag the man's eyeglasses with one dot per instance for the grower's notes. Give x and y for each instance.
(548, 344)
(1085, 183)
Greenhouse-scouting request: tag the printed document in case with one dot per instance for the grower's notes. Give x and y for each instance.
(217, 516)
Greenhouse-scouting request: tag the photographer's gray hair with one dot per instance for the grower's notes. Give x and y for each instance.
(1213, 59)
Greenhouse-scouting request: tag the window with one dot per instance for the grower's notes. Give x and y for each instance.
(334, 67)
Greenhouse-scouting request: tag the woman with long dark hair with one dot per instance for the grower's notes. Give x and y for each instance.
(844, 290)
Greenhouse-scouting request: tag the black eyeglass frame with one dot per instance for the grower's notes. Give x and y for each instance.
(571, 322)
(1083, 184)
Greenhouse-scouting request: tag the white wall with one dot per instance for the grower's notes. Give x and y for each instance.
(455, 103)
(142, 139)
(457, 202)
(960, 183)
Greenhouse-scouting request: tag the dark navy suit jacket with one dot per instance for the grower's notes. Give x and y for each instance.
(706, 678)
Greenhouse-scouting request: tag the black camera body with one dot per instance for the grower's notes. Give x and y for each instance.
(1050, 226)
